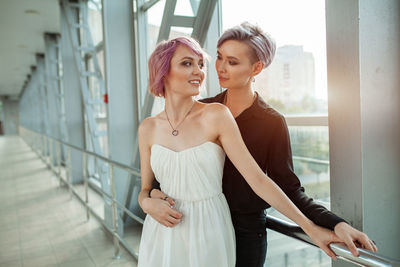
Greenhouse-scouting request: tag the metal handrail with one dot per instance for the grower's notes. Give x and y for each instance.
(366, 258)
(311, 160)
(68, 181)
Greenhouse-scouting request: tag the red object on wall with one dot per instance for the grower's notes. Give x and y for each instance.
(105, 98)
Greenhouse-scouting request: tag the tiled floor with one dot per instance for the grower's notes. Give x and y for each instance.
(40, 225)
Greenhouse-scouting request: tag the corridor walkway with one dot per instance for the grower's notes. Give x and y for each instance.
(40, 225)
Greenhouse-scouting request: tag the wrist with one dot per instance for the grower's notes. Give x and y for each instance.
(339, 226)
(307, 225)
(146, 204)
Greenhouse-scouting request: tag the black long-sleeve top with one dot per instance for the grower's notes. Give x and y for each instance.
(266, 136)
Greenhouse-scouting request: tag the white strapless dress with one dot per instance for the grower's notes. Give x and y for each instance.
(205, 237)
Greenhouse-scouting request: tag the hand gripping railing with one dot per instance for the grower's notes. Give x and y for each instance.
(366, 258)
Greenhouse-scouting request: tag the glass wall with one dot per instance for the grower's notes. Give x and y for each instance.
(96, 88)
(95, 22)
(154, 18)
(295, 84)
(310, 147)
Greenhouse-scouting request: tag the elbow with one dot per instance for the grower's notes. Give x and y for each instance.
(257, 184)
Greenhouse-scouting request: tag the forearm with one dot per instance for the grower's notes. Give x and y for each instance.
(143, 198)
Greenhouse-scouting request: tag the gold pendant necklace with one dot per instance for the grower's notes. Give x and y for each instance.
(175, 131)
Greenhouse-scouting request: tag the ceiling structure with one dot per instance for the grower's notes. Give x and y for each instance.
(22, 27)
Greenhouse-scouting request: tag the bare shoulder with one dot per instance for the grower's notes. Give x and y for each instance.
(147, 125)
(146, 129)
(215, 111)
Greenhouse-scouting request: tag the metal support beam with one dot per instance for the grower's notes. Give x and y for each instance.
(364, 117)
(56, 113)
(203, 19)
(75, 15)
(123, 119)
(73, 100)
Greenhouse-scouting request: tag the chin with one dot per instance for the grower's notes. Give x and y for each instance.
(223, 85)
(196, 93)
(192, 92)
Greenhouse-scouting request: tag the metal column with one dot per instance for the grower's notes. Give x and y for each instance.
(363, 49)
(123, 97)
(73, 101)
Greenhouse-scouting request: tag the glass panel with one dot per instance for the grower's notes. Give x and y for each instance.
(94, 87)
(180, 31)
(296, 81)
(95, 20)
(185, 8)
(286, 251)
(102, 126)
(310, 149)
(154, 18)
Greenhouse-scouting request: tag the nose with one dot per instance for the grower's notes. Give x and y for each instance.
(196, 69)
(220, 66)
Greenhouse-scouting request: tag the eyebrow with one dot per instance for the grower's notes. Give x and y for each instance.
(190, 58)
(229, 57)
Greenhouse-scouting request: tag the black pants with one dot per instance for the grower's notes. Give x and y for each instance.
(251, 239)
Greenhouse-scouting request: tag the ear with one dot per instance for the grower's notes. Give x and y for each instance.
(257, 68)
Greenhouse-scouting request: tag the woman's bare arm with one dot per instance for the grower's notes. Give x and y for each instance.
(157, 208)
(232, 142)
(146, 172)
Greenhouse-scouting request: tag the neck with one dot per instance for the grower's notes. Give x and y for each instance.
(238, 100)
(178, 106)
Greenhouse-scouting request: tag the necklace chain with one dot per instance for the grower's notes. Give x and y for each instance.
(175, 131)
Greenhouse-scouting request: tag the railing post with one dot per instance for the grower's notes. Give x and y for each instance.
(114, 213)
(85, 182)
(33, 139)
(42, 148)
(286, 259)
(69, 177)
(51, 153)
(58, 155)
(46, 150)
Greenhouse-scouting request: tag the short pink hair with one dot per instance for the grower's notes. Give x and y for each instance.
(160, 61)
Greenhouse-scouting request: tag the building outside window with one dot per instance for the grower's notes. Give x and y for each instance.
(296, 85)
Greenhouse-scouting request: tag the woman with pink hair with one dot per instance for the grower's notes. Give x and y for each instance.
(184, 148)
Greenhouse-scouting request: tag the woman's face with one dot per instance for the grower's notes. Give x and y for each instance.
(233, 64)
(186, 73)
